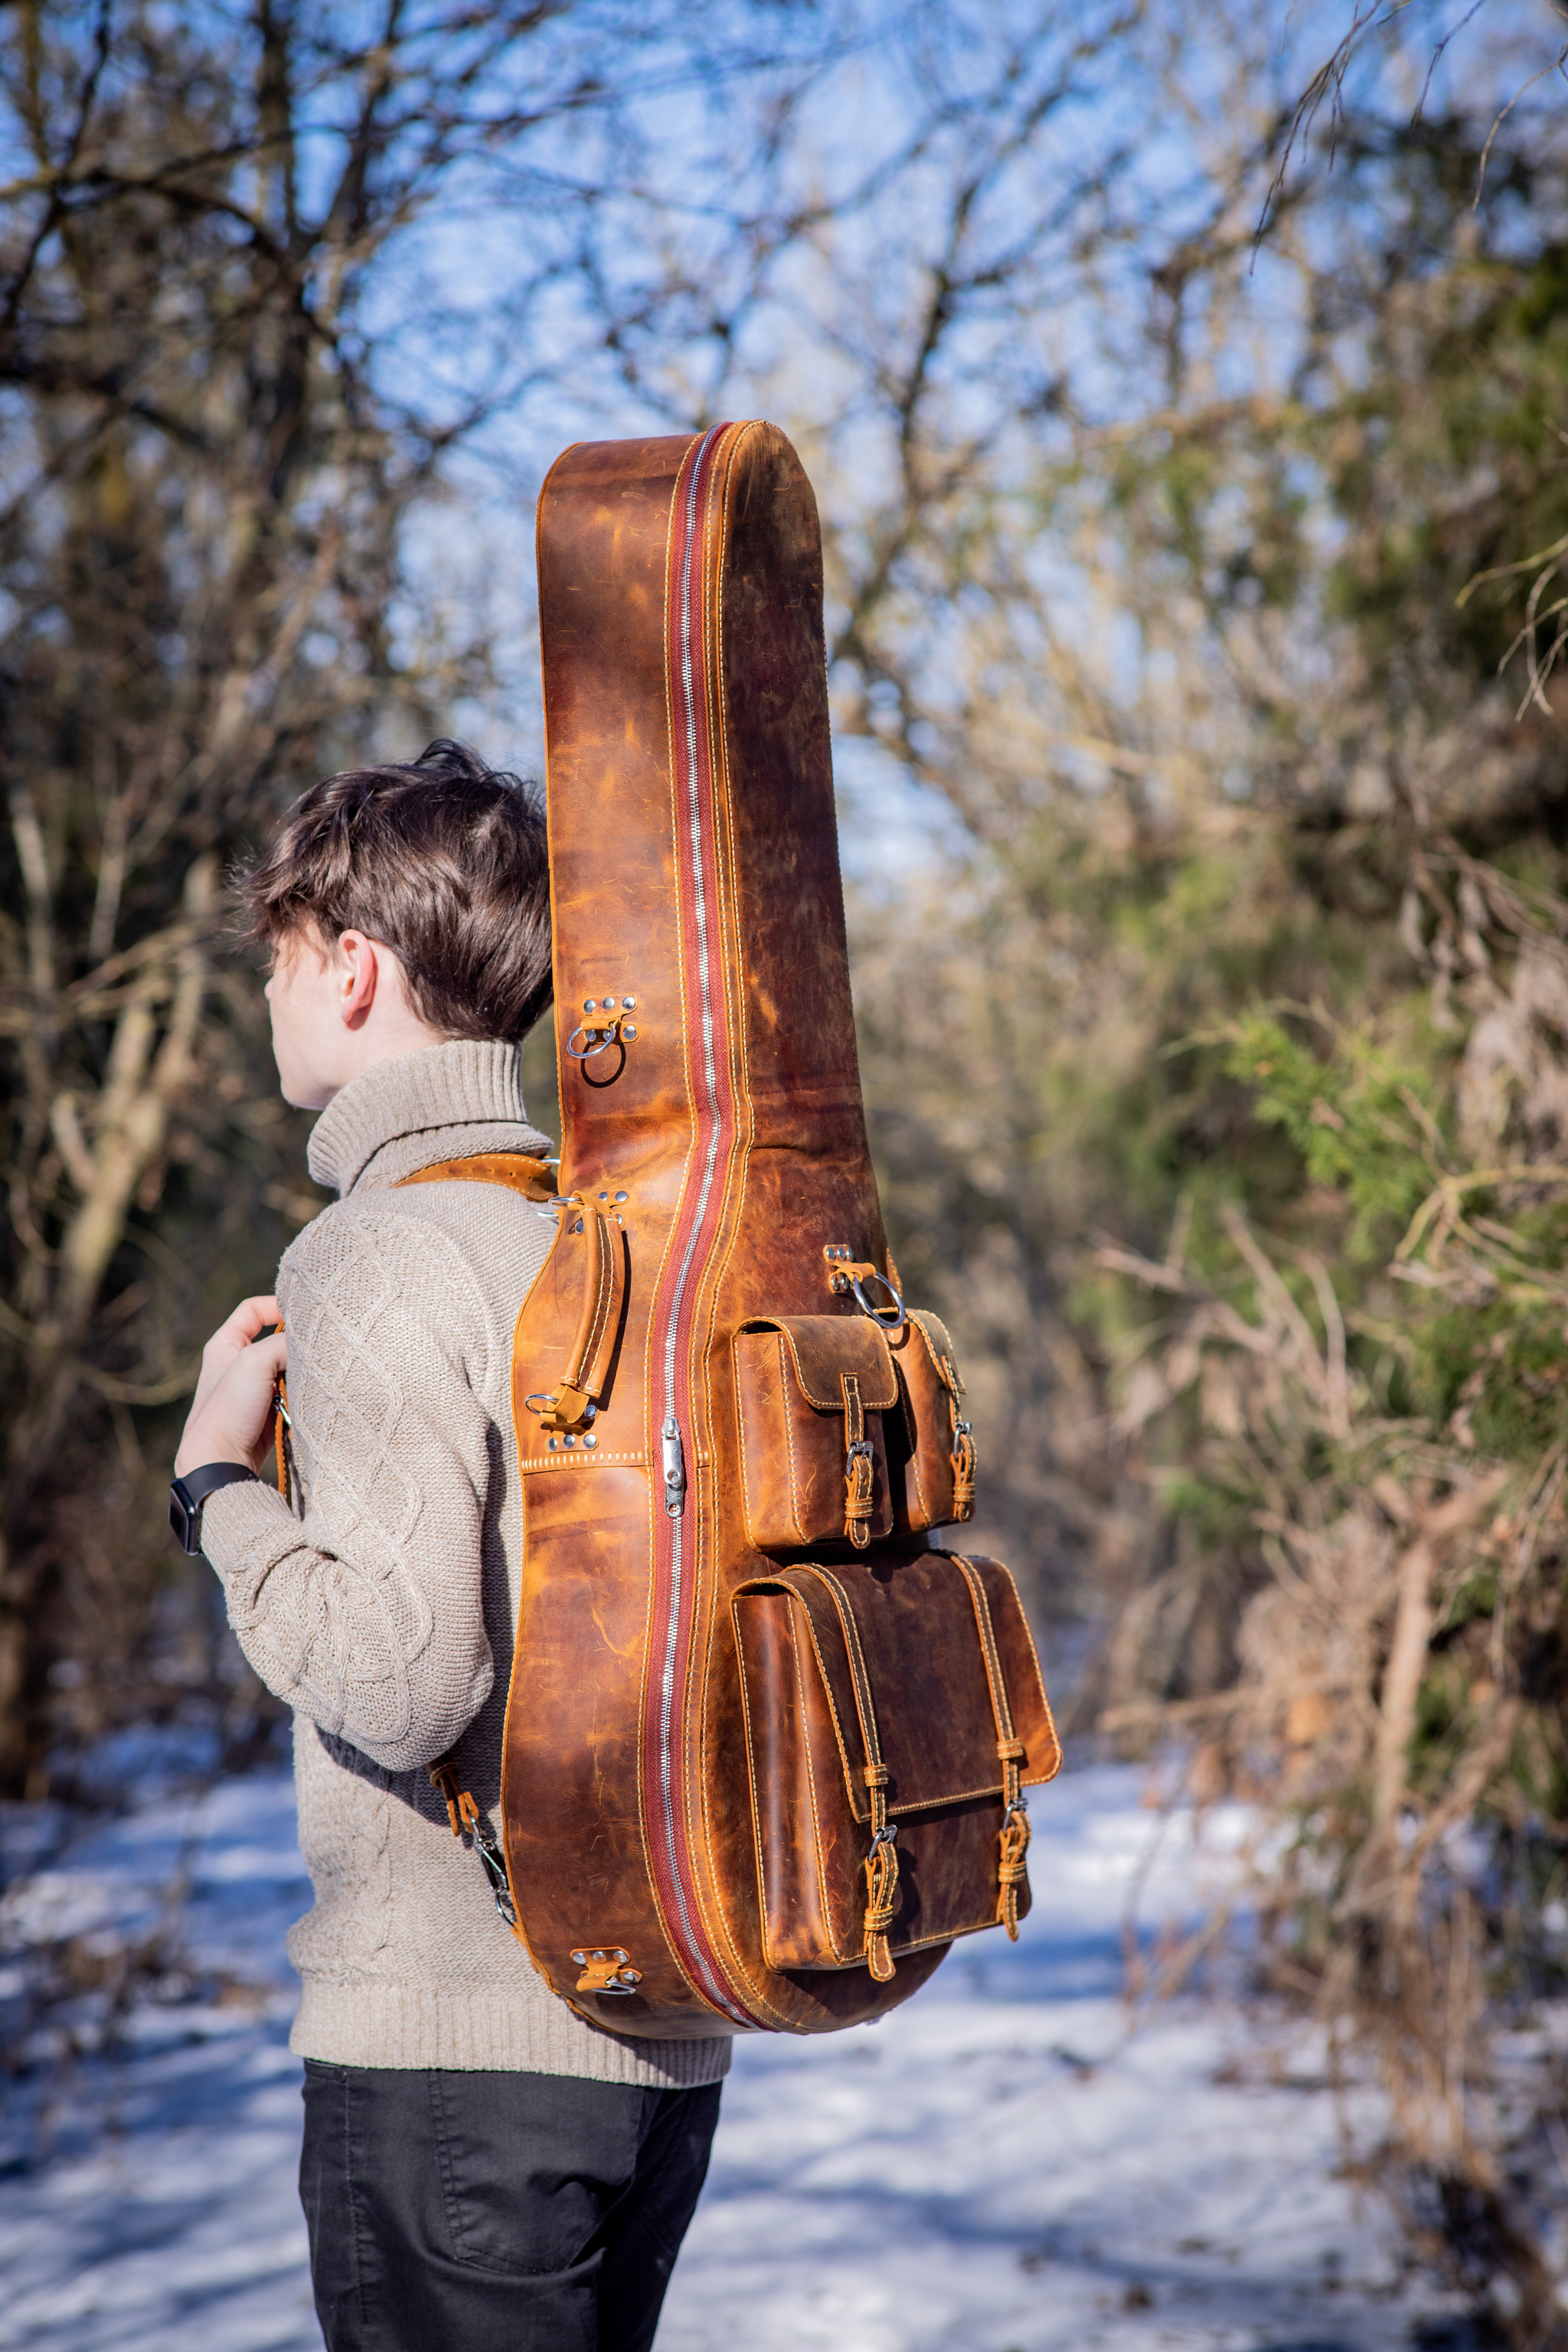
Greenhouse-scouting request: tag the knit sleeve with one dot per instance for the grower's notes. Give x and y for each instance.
(365, 1614)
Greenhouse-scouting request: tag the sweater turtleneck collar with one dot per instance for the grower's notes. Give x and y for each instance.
(445, 1102)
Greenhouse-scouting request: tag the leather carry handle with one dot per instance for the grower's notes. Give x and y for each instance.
(604, 1268)
(603, 1273)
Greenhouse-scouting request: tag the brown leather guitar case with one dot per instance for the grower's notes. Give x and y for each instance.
(766, 1745)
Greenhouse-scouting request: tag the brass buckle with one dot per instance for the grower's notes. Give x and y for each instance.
(606, 1969)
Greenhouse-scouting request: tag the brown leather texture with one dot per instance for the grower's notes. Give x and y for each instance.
(710, 1103)
(882, 1661)
(807, 1390)
(518, 1170)
(932, 1452)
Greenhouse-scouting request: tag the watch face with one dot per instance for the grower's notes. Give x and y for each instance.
(185, 1522)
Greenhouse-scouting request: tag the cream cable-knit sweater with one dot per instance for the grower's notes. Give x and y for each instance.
(384, 1615)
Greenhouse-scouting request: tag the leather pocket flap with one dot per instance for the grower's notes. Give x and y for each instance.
(823, 1347)
(900, 1638)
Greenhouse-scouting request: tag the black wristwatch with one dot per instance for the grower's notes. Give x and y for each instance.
(187, 1494)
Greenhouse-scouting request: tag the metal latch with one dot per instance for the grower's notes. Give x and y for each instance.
(606, 1971)
(673, 1470)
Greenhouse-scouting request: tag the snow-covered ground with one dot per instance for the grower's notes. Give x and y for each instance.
(1003, 2166)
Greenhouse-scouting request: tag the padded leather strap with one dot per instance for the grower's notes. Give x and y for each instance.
(534, 1179)
(603, 1265)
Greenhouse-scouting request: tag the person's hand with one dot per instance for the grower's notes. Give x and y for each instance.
(231, 1417)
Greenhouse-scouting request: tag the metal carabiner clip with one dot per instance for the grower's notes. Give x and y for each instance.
(891, 1319)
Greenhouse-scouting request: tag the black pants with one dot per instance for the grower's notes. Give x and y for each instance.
(454, 2212)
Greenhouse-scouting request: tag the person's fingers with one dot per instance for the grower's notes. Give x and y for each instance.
(246, 1323)
(233, 1421)
(236, 1333)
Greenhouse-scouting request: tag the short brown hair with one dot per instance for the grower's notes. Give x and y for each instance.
(441, 857)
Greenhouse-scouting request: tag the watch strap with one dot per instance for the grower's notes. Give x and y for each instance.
(187, 1494)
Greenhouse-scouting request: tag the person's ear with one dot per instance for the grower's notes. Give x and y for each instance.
(358, 978)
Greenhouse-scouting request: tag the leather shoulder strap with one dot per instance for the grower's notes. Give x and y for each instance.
(534, 1179)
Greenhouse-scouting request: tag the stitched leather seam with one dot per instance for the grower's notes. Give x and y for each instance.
(1031, 1779)
(575, 1461)
(993, 1675)
(745, 1473)
(858, 1676)
(650, 1411)
(916, 1944)
(651, 1833)
(603, 1257)
(791, 1605)
(484, 1167)
(684, 1640)
(831, 1404)
(787, 1579)
(912, 1432)
(583, 1363)
(751, 1781)
(702, 1391)
(789, 1444)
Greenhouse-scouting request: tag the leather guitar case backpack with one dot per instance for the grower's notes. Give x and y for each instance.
(765, 1743)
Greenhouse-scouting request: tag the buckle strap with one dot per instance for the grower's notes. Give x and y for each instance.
(470, 1826)
(1013, 1839)
(860, 1465)
(881, 1863)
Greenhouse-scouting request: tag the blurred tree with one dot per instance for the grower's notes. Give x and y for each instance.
(264, 275)
(1229, 1065)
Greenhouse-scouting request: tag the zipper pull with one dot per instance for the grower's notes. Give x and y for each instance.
(673, 1470)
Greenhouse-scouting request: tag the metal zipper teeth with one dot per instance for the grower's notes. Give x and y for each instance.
(672, 1877)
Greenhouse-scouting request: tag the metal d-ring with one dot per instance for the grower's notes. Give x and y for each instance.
(891, 1318)
(607, 1037)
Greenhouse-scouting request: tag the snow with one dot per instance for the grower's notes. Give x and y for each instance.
(1016, 2161)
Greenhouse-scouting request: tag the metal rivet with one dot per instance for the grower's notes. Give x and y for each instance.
(587, 1004)
(609, 1003)
(553, 1445)
(630, 1002)
(605, 1196)
(569, 1443)
(630, 1030)
(620, 1196)
(590, 1440)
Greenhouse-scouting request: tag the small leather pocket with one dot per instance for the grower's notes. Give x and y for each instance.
(931, 1447)
(812, 1391)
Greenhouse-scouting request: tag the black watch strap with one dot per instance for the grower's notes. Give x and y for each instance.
(187, 1494)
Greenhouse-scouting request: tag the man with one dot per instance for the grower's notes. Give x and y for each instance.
(483, 2168)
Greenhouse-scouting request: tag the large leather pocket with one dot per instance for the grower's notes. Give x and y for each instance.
(812, 1391)
(931, 1448)
(894, 1714)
